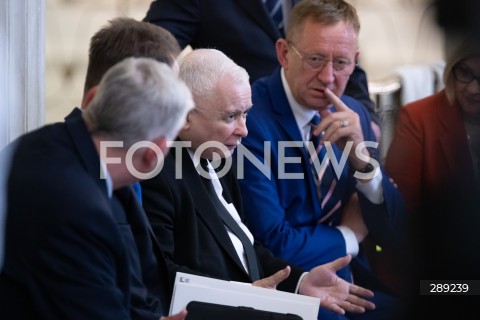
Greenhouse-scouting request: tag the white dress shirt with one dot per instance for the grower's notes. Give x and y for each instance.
(230, 208)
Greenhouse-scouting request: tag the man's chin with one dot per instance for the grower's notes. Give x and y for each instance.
(230, 153)
(222, 154)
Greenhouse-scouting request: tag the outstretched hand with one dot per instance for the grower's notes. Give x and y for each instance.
(335, 293)
(273, 281)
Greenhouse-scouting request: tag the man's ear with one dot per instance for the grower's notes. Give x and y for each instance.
(152, 157)
(88, 97)
(187, 123)
(282, 50)
(357, 55)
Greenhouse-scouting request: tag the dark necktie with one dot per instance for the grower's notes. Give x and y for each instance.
(324, 179)
(274, 9)
(232, 225)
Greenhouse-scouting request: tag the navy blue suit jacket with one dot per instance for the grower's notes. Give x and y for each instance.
(242, 29)
(72, 252)
(284, 213)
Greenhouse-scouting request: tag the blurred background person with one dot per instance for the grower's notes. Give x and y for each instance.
(435, 160)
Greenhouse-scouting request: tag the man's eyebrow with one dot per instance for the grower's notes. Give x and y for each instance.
(236, 111)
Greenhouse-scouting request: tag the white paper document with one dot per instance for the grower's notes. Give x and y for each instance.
(196, 288)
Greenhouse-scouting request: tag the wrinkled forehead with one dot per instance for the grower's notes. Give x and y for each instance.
(314, 31)
(229, 94)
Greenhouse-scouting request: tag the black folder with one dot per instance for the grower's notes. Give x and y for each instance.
(211, 311)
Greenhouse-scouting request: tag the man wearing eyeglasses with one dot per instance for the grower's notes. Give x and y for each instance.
(311, 208)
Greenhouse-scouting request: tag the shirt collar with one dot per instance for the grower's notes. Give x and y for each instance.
(108, 179)
(302, 115)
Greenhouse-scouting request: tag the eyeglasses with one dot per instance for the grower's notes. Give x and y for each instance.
(464, 74)
(317, 63)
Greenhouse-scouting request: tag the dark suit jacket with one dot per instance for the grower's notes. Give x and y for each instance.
(284, 213)
(192, 235)
(242, 29)
(70, 249)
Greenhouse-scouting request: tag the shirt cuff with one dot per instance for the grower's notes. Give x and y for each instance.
(373, 189)
(351, 243)
(300, 281)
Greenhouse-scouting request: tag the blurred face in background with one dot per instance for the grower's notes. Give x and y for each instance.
(467, 87)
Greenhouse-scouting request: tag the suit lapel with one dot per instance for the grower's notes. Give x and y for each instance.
(257, 11)
(284, 116)
(205, 208)
(281, 109)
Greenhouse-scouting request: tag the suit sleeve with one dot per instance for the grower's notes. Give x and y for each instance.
(180, 17)
(77, 267)
(386, 221)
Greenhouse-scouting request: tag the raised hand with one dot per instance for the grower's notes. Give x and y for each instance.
(341, 127)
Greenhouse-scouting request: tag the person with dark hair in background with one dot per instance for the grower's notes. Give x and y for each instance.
(246, 31)
(126, 37)
(70, 236)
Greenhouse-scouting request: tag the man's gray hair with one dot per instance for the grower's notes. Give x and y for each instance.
(139, 99)
(203, 69)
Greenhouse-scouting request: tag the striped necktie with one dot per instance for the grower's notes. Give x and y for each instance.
(324, 178)
(274, 9)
